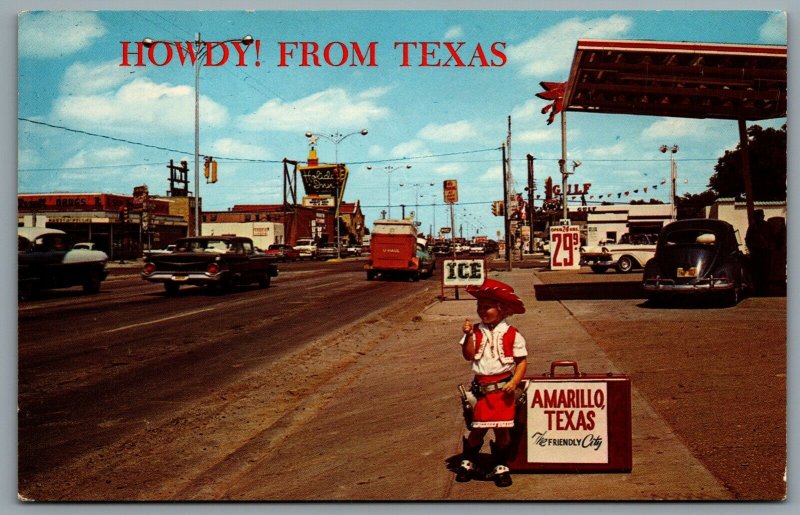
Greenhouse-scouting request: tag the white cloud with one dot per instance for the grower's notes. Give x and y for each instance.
(57, 33)
(449, 132)
(99, 156)
(228, 147)
(552, 50)
(454, 33)
(449, 169)
(375, 92)
(413, 148)
(93, 78)
(774, 29)
(615, 151)
(140, 106)
(675, 128)
(538, 136)
(493, 174)
(332, 109)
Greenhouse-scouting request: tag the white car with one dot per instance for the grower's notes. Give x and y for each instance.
(631, 252)
(307, 248)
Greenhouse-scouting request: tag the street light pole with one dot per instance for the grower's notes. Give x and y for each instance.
(201, 51)
(336, 139)
(389, 169)
(673, 172)
(416, 187)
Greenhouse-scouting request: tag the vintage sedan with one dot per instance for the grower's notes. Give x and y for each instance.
(282, 252)
(698, 257)
(217, 262)
(631, 252)
(47, 260)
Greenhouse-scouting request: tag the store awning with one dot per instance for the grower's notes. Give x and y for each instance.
(688, 80)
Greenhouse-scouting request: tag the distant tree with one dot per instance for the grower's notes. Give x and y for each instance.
(767, 148)
(693, 205)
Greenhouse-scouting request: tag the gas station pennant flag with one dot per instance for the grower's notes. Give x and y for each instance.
(552, 91)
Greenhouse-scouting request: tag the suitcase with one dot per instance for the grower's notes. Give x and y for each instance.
(573, 422)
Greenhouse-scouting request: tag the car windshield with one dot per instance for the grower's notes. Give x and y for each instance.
(691, 236)
(203, 246)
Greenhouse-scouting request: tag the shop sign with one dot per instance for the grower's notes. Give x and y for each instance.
(463, 272)
(323, 179)
(567, 422)
(450, 191)
(318, 201)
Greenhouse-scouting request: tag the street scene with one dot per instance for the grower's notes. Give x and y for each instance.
(402, 256)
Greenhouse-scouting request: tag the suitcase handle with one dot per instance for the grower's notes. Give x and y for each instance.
(573, 364)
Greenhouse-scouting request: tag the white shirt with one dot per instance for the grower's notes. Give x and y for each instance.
(489, 363)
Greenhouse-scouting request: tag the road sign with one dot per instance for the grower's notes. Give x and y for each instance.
(444, 230)
(450, 191)
(565, 242)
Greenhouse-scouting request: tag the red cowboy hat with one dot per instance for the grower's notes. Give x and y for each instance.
(500, 292)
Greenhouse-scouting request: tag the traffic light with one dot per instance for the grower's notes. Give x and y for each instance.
(341, 173)
(213, 171)
(548, 188)
(206, 167)
(124, 215)
(498, 208)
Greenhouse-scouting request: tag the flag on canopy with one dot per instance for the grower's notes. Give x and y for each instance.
(552, 91)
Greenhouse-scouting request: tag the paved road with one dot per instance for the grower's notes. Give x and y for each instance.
(356, 400)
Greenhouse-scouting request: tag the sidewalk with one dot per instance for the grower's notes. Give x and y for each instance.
(402, 446)
(663, 468)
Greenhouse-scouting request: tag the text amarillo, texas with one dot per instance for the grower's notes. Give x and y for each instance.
(431, 54)
(567, 422)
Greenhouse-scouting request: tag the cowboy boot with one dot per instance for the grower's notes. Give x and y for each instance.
(501, 472)
(468, 462)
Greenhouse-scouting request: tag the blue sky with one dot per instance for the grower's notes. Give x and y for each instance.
(443, 121)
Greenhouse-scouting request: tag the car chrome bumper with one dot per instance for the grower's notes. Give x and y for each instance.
(704, 285)
(183, 277)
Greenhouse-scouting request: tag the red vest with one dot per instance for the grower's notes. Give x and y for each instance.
(506, 349)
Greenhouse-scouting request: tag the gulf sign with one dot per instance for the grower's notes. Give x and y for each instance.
(567, 422)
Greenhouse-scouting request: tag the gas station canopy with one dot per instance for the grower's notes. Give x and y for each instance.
(688, 80)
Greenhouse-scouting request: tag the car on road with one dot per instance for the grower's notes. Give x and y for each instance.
(698, 257)
(328, 251)
(85, 245)
(166, 250)
(282, 252)
(307, 248)
(631, 252)
(353, 249)
(217, 262)
(47, 260)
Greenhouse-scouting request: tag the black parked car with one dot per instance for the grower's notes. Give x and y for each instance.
(698, 257)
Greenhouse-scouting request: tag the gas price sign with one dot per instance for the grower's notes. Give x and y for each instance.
(565, 243)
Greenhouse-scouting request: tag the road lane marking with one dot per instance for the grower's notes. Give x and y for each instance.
(188, 313)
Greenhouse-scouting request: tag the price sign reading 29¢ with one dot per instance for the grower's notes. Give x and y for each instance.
(565, 242)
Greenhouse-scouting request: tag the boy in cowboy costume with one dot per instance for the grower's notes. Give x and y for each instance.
(498, 355)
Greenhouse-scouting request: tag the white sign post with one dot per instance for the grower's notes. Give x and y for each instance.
(565, 244)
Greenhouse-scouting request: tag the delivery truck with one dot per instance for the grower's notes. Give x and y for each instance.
(395, 251)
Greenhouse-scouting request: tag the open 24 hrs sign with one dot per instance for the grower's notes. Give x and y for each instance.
(565, 243)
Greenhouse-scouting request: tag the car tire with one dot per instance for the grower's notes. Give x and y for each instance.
(92, 283)
(625, 264)
(599, 269)
(172, 288)
(265, 280)
(370, 275)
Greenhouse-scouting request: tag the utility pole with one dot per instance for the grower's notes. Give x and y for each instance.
(530, 202)
(505, 211)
